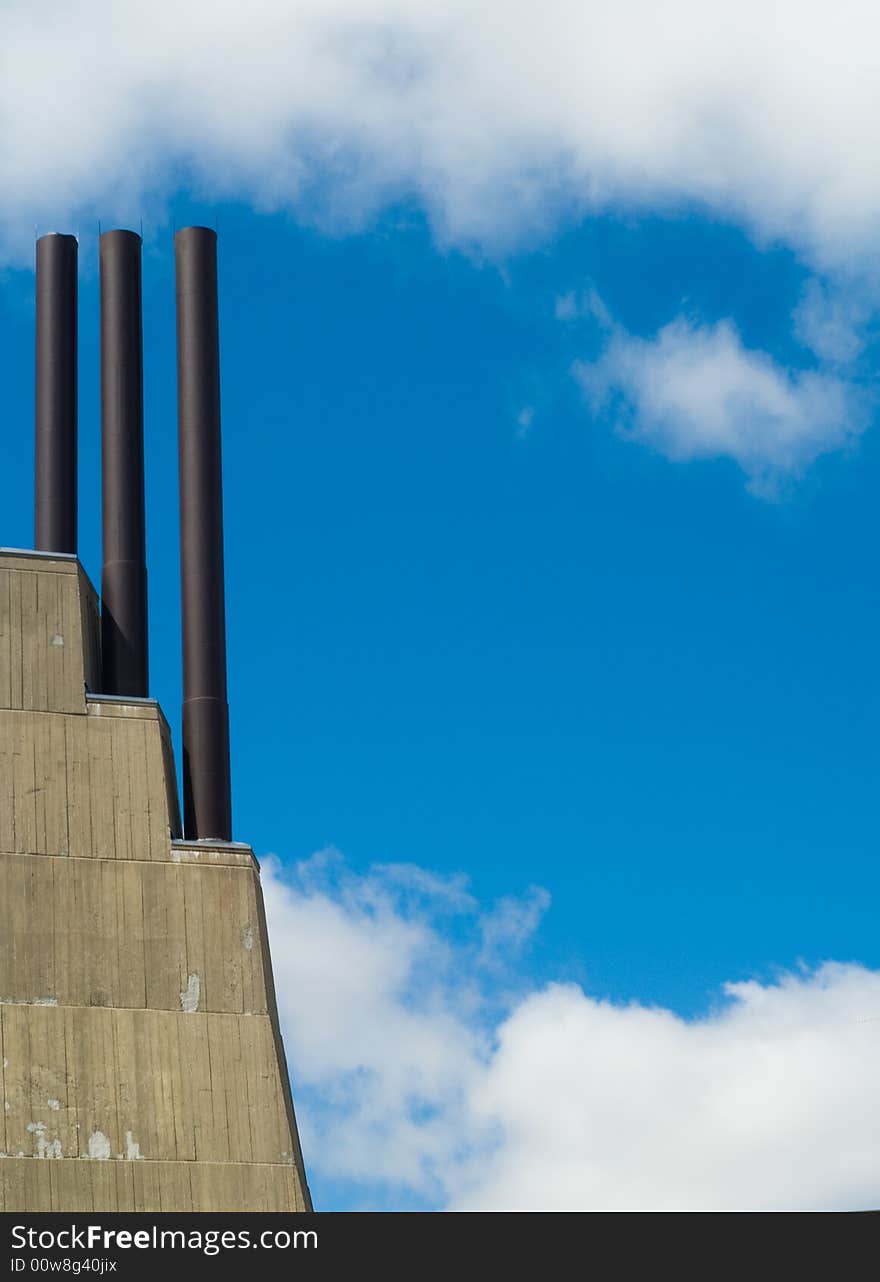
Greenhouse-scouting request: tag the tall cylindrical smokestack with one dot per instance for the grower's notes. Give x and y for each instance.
(124, 573)
(55, 453)
(206, 787)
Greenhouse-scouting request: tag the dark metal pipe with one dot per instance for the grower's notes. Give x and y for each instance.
(55, 443)
(124, 573)
(207, 802)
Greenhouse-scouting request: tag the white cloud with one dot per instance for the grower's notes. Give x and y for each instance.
(410, 1077)
(582, 305)
(524, 420)
(510, 925)
(832, 323)
(770, 1103)
(379, 1017)
(499, 120)
(694, 391)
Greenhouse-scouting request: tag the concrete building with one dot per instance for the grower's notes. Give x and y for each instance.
(141, 1062)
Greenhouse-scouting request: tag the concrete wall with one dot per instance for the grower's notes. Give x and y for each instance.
(142, 1065)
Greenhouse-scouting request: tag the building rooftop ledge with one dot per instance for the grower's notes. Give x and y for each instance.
(43, 556)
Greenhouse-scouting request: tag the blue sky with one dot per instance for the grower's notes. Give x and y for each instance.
(509, 600)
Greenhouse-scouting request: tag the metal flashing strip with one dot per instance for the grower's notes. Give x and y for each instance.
(121, 698)
(39, 556)
(210, 843)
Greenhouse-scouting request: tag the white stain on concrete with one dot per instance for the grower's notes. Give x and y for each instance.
(132, 1148)
(28, 1001)
(44, 1148)
(99, 1146)
(191, 995)
(247, 936)
(57, 641)
(54, 1104)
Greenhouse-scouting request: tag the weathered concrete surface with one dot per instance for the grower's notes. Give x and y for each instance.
(142, 1064)
(26, 1185)
(48, 633)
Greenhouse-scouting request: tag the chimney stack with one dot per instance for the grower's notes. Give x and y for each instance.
(124, 572)
(206, 784)
(55, 453)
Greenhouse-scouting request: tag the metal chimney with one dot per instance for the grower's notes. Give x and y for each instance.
(55, 453)
(124, 573)
(206, 786)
